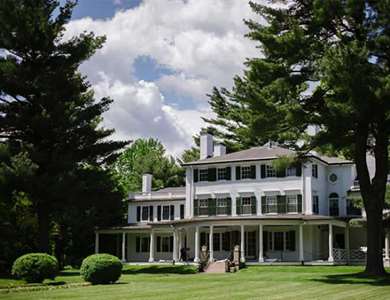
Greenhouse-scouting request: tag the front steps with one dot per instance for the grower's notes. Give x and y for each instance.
(219, 266)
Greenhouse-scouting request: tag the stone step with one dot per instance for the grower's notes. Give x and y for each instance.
(220, 266)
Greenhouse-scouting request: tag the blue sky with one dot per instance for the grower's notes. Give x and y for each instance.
(160, 60)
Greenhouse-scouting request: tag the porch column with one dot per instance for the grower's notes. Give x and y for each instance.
(234, 205)
(151, 247)
(347, 250)
(261, 255)
(301, 257)
(242, 244)
(196, 258)
(211, 243)
(174, 246)
(123, 246)
(96, 242)
(387, 246)
(330, 258)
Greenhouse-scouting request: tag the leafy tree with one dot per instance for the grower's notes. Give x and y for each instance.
(147, 156)
(47, 109)
(323, 63)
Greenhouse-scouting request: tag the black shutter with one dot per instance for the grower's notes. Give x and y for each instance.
(196, 175)
(212, 174)
(291, 239)
(238, 173)
(172, 212)
(159, 213)
(171, 243)
(181, 211)
(238, 206)
(253, 205)
(253, 172)
(138, 213)
(137, 244)
(263, 205)
(262, 168)
(212, 206)
(228, 173)
(151, 213)
(299, 203)
(196, 207)
(281, 201)
(298, 167)
(229, 205)
(158, 243)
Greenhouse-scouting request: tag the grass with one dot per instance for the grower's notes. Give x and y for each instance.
(180, 282)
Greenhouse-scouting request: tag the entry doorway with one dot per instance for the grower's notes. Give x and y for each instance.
(250, 244)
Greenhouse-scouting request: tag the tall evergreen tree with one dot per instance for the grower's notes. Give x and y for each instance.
(323, 63)
(47, 109)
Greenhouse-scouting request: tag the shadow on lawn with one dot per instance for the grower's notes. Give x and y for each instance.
(354, 278)
(161, 270)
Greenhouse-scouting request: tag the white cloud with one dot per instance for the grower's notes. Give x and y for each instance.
(201, 41)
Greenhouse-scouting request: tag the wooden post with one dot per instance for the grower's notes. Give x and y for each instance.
(242, 244)
(151, 247)
(211, 244)
(330, 239)
(123, 246)
(96, 242)
(196, 259)
(261, 254)
(301, 256)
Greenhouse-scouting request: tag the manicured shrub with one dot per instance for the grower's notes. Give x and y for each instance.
(101, 268)
(35, 267)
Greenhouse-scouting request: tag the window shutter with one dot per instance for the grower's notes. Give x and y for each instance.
(228, 173)
(281, 204)
(172, 212)
(253, 205)
(212, 174)
(158, 243)
(151, 213)
(171, 243)
(159, 213)
(138, 213)
(212, 206)
(299, 203)
(137, 244)
(196, 207)
(229, 205)
(262, 168)
(196, 175)
(263, 205)
(238, 205)
(298, 167)
(253, 172)
(281, 173)
(291, 244)
(181, 211)
(238, 173)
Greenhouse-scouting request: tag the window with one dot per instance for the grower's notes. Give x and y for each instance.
(278, 241)
(316, 208)
(246, 205)
(291, 171)
(165, 212)
(142, 244)
(271, 204)
(292, 203)
(314, 171)
(333, 204)
(222, 205)
(216, 242)
(221, 174)
(145, 213)
(165, 245)
(181, 211)
(203, 207)
(203, 175)
(270, 171)
(246, 172)
(226, 241)
(281, 240)
(333, 178)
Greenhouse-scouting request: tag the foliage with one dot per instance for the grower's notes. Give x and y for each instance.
(101, 269)
(323, 63)
(189, 155)
(147, 156)
(49, 115)
(283, 162)
(35, 267)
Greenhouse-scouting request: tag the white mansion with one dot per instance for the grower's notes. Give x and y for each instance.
(299, 215)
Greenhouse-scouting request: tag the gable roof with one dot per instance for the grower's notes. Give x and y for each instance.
(263, 153)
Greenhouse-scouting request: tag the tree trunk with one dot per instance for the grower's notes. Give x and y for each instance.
(374, 264)
(43, 229)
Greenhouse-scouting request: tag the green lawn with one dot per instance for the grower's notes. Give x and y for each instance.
(165, 282)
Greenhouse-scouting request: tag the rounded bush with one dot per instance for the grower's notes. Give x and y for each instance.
(101, 268)
(35, 267)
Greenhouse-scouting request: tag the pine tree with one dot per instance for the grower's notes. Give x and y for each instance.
(47, 108)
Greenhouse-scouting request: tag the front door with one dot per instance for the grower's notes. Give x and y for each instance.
(250, 244)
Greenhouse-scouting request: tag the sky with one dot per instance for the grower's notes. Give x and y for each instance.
(160, 60)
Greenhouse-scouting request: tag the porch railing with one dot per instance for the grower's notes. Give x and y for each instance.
(355, 255)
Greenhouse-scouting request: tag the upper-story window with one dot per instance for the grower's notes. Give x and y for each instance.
(222, 206)
(221, 174)
(203, 175)
(316, 208)
(270, 171)
(165, 212)
(246, 172)
(292, 203)
(246, 205)
(203, 207)
(145, 213)
(271, 204)
(314, 171)
(333, 204)
(291, 171)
